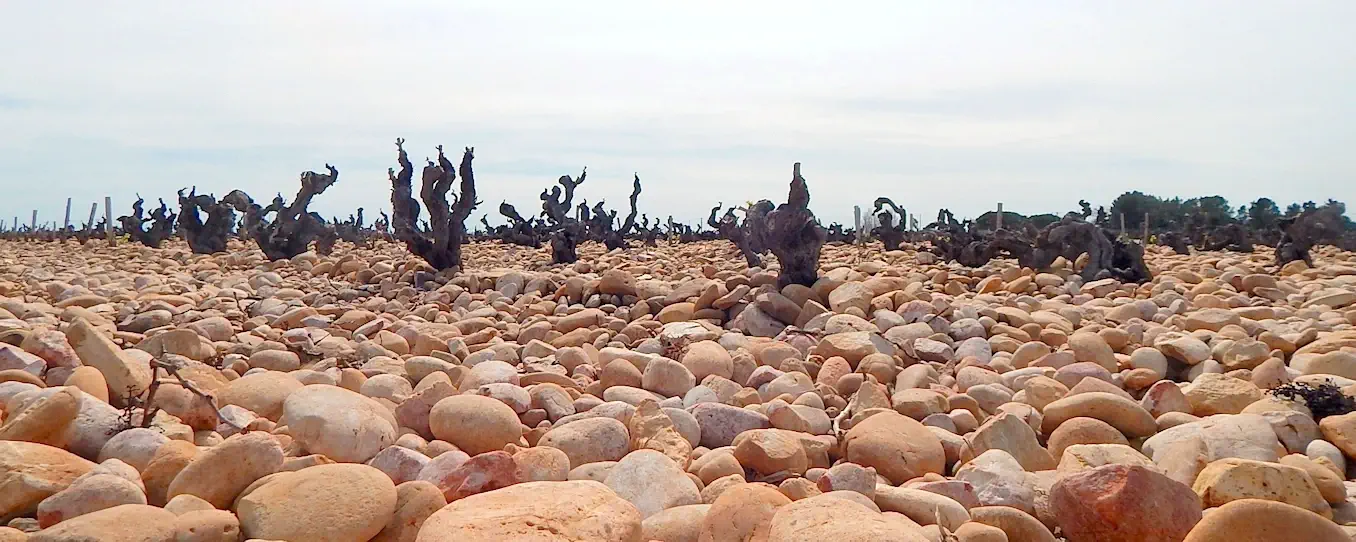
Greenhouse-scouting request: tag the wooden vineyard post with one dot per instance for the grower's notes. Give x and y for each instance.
(1146, 229)
(108, 221)
(67, 224)
(857, 223)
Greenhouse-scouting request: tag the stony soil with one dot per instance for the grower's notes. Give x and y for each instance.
(670, 394)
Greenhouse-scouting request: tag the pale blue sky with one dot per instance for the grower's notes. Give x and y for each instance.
(935, 104)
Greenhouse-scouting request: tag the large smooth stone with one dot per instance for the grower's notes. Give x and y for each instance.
(1123, 503)
(832, 518)
(31, 472)
(262, 393)
(652, 482)
(219, 474)
(126, 523)
(474, 423)
(337, 423)
(325, 503)
(1256, 520)
(899, 447)
(537, 512)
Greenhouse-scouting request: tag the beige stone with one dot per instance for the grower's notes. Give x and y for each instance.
(475, 424)
(164, 466)
(207, 526)
(589, 440)
(89, 493)
(415, 502)
(576, 510)
(125, 377)
(1080, 457)
(1018, 525)
(261, 393)
(1233, 479)
(1125, 415)
(1213, 394)
(1329, 483)
(219, 474)
(898, 447)
(742, 513)
(89, 380)
(45, 421)
(1083, 431)
(923, 507)
(285, 507)
(1240, 521)
(31, 472)
(770, 451)
(826, 517)
(1341, 431)
(365, 428)
(1092, 347)
(650, 428)
(652, 482)
(1008, 432)
(126, 523)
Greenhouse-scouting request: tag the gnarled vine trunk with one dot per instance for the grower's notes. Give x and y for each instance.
(747, 236)
(210, 236)
(293, 228)
(566, 231)
(794, 235)
(1299, 234)
(520, 231)
(890, 234)
(615, 238)
(161, 219)
(439, 244)
(1108, 257)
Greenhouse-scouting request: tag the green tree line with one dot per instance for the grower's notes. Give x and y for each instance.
(1208, 211)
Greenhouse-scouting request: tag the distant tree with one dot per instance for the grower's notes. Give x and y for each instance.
(988, 220)
(1207, 212)
(1133, 205)
(1043, 220)
(1263, 214)
(1171, 214)
(1214, 210)
(1342, 212)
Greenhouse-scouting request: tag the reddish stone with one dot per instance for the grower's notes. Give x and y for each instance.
(1123, 503)
(52, 346)
(485, 472)
(413, 412)
(439, 469)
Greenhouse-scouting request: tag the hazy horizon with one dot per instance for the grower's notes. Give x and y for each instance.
(957, 105)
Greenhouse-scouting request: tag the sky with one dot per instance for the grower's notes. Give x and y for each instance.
(934, 104)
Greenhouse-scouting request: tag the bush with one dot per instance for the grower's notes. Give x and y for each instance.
(1323, 400)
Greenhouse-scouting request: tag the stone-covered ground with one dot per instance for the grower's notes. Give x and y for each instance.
(670, 394)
